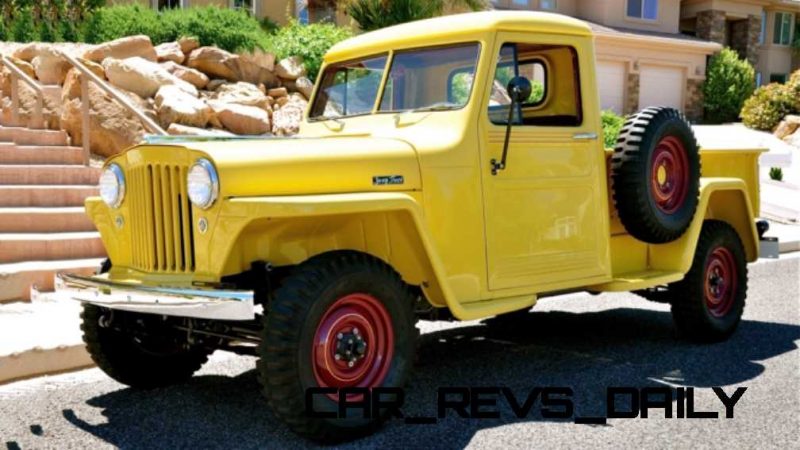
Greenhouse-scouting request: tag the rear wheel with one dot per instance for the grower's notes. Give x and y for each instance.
(341, 320)
(707, 305)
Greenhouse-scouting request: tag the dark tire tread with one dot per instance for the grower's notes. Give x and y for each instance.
(279, 351)
(629, 166)
(689, 312)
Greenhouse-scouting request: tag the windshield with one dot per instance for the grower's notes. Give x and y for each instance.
(431, 79)
(349, 89)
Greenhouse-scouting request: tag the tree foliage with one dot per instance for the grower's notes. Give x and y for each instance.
(374, 14)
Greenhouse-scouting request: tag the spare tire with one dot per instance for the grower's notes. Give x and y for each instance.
(656, 175)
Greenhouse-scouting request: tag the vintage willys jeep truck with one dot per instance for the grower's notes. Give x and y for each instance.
(449, 168)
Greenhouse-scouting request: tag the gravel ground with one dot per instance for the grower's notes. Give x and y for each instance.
(579, 341)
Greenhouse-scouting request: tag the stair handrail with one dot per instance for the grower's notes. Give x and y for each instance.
(16, 75)
(87, 76)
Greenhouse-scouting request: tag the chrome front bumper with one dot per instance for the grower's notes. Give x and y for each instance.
(197, 303)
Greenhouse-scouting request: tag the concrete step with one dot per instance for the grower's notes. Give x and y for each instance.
(40, 154)
(48, 174)
(16, 279)
(18, 247)
(44, 220)
(44, 337)
(48, 195)
(27, 136)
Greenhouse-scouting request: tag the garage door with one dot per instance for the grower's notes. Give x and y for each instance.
(661, 86)
(611, 81)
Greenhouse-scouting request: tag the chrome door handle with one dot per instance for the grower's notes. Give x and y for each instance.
(584, 136)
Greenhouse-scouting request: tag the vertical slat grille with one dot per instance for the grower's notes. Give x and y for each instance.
(161, 223)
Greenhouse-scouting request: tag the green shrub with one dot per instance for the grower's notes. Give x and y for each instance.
(776, 173)
(612, 124)
(793, 87)
(309, 41)
(767, 107)
(106, 24)
(729, 82)
(229, 29)
(23, 28)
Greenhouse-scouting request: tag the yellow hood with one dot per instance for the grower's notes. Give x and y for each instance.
(297, 166)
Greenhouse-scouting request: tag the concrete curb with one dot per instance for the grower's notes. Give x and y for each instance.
(38, 361)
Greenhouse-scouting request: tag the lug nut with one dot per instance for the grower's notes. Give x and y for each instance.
(350, 364)
(337, 357)
(340, 335)
(355, 330)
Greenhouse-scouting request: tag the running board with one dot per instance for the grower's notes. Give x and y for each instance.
(632, 281)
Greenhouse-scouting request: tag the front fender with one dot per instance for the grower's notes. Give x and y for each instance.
(288, 230)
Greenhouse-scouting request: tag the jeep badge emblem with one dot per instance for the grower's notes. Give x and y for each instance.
(386, 180)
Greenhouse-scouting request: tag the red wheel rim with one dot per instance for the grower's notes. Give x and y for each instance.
(353, 344)
(669, 174)
(720, 282)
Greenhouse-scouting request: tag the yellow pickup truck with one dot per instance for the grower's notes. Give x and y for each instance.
(446, 169)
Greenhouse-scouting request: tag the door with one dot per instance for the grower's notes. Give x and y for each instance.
(611, 85)
(661, 86)
(546, 213)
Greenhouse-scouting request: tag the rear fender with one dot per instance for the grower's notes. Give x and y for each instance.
(723, 199)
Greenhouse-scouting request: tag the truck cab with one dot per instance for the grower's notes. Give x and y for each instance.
(448, 168)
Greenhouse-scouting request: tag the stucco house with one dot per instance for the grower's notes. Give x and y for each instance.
(648, 51)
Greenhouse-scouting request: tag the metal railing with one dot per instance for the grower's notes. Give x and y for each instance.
(17, 74)
(88, 76)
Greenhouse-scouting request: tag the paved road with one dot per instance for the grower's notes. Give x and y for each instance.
(587, 343)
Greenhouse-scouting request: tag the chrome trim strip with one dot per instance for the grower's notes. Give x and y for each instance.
(196, 303)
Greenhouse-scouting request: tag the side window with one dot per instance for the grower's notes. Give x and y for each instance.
(553, 72)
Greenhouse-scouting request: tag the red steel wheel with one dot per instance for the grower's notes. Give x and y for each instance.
(354, 343)
(720, 282)
(670, 175)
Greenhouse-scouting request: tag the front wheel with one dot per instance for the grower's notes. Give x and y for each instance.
(341, 320)
(707, 305)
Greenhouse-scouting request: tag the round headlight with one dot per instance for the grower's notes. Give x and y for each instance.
(112, 185)
(202, 184)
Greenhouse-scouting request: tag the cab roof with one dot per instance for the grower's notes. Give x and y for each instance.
(432, 31)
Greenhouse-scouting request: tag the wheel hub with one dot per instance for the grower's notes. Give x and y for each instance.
(350, 347)
(669, 177)
(720, 282)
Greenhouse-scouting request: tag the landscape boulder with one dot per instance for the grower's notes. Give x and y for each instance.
(218, 63)
(126, 47)
(192, 76)
(242, 94)
(72, 83)
(242, 119)
(286, 120)
(291, 68)
(187, 44)
(787, 127)
(174, 105)
(304, 86)
(170, 51)
(50, 66)
(112, 128)
(142, 77)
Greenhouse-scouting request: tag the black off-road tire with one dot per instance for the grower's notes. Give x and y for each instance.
(652, 207)
(300, 304)
(118, 354)
(696, 317)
